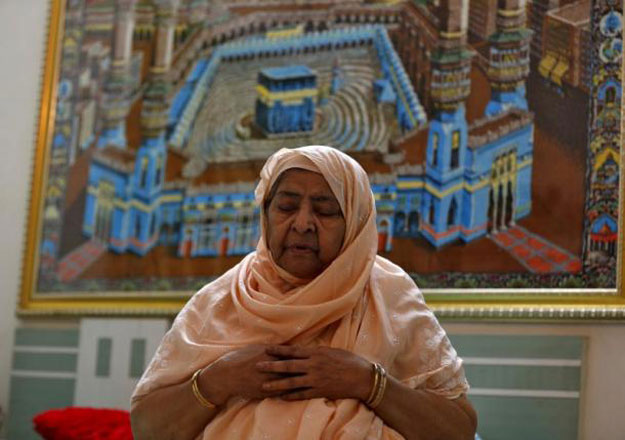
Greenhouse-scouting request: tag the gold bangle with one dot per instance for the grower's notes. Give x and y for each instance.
(374, 386)
(379, 395)
(376, 382)
(198, 395)
(381, 389)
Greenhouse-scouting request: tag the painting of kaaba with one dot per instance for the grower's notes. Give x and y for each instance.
(490, 131)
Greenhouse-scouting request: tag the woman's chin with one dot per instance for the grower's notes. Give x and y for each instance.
(300, 266)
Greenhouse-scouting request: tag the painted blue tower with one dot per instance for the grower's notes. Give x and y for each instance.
(123, 205)
(444, 177)
(504, 99)
(145, 216)
(147, 184)
(509, 60)
(117, 89)
(337, 77)
(443, 217)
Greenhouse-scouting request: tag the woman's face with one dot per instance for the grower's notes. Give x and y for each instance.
(305, 225)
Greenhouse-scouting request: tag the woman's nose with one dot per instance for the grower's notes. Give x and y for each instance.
(303, 221)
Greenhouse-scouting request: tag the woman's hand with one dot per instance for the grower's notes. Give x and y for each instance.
(317, 372)
(235, 374)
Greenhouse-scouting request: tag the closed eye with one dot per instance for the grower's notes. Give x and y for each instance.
(329, 213)
(287, 208)
(327, 209)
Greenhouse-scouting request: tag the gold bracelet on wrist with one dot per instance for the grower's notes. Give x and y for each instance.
(379, 386)
(379, 395)
(198, 395)
(376, 380)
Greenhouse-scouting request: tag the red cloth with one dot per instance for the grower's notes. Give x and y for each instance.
(83, 424)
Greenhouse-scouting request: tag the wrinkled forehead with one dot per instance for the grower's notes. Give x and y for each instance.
(271, 178)
(297, 182)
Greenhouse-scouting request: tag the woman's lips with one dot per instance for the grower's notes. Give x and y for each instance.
(301, 249)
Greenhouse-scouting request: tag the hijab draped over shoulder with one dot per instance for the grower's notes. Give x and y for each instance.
(361, 302)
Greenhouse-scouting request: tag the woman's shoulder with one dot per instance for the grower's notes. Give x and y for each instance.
(393, 281)
(209, 295)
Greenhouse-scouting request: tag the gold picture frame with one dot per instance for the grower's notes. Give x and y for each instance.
(526, 303)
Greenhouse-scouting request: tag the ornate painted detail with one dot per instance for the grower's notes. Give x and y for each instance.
(601, 223)
(65, 141)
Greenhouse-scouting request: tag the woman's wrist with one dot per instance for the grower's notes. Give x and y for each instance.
(210, 385)
(366, 383)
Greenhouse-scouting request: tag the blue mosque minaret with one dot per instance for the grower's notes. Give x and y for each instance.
(447, 137)
(509, 60)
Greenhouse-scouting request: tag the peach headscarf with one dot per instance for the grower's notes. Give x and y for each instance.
(361, 302)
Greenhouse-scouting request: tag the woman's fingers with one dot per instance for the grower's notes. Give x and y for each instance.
(289, 351)
(284, 366)
(289, 383)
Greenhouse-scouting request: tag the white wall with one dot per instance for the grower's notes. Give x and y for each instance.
(22, 29)
(114, 390)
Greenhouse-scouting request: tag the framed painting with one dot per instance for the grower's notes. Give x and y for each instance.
(491, 132)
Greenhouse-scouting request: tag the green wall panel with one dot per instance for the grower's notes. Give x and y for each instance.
(47, 337)
(523, 377)
(518, 346)
(45, 361)
(525, 418)
(137, 357)
(30, 396)
(103, 357)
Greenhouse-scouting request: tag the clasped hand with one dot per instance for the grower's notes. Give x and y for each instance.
(294, 373)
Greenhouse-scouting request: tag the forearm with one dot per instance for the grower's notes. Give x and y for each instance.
(170, 413)
(421, 415)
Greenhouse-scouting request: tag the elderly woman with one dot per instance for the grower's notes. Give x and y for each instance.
(312, 336)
